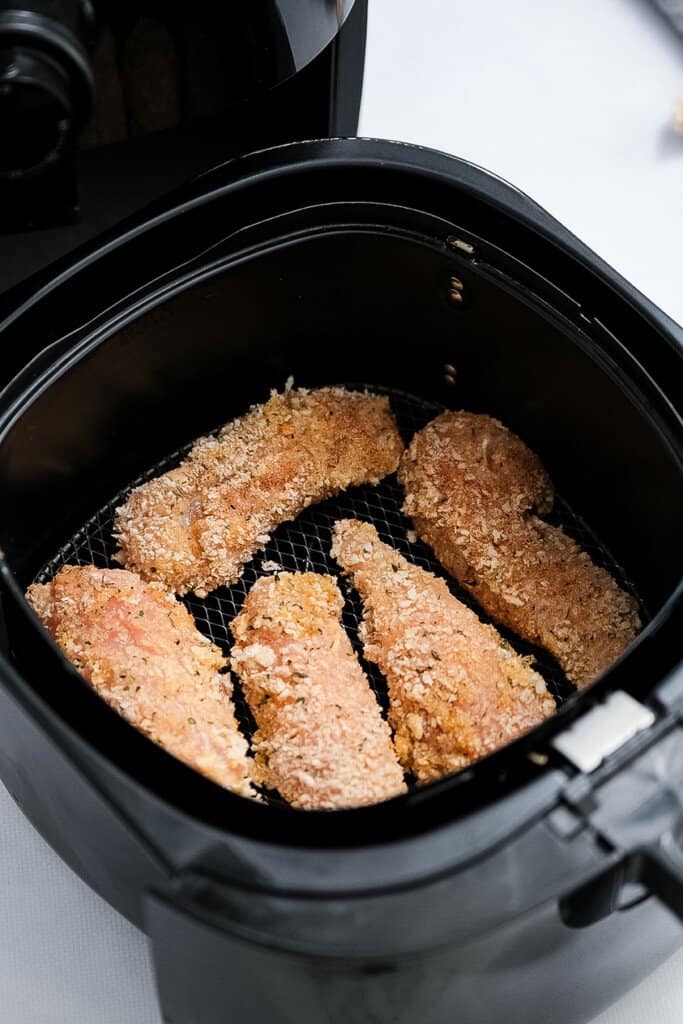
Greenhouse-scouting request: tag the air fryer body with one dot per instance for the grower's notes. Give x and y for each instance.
(523, 887)
(159, 92)
(218, 946)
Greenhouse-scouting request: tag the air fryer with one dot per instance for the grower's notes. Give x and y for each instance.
(544, 880)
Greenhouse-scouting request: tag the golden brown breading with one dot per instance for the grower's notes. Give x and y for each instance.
(321, 740)
(140, 650)
(195, 527)
(471, 486)
(457, 691)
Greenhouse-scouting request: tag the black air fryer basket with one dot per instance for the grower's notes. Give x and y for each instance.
(544, 880)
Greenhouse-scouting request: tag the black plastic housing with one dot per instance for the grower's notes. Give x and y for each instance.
(332, 261)
(107, 105)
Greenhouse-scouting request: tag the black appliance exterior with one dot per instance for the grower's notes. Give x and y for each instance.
(107, 105)
(519, 887)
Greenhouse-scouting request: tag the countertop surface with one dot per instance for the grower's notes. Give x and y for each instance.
(571, 102)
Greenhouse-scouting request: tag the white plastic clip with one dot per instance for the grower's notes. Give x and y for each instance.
(602, 730)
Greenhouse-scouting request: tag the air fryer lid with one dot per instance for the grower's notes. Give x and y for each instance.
(334, 262)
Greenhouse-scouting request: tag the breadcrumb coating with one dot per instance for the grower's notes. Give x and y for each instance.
(457, 691)
(321, 740)
(140, 650)
(472, 490)
(195, 527)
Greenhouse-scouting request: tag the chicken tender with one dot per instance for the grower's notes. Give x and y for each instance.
(457, 691)
(321, 739)
(195, 527)
(471, 490)
(140, 650)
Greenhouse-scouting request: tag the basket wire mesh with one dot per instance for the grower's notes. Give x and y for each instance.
(303, 545)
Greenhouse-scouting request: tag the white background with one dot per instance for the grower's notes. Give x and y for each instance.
(571, 100)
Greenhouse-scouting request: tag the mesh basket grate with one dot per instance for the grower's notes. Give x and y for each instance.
(304, 544)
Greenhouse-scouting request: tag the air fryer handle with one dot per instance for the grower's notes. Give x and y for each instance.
(662, 872)
(638, 812)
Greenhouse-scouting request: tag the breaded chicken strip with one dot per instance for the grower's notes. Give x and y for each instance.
(471, 488)
(456, 690)
(140, 650)
(195, 527)
(321, 740)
